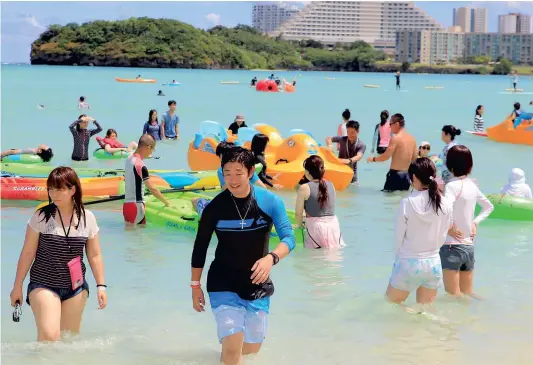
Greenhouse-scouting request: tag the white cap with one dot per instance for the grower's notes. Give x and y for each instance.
(424, 143)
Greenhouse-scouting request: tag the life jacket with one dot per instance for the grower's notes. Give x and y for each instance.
(113, 143)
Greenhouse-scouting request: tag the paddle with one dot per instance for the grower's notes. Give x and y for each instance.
(178, 190)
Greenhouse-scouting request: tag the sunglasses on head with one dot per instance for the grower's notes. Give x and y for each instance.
(425, 148)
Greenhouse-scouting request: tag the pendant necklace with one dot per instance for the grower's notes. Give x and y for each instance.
(238, 211)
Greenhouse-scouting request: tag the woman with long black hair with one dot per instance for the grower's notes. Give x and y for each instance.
(317, 199)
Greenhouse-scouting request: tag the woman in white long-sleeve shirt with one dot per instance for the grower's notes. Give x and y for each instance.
(422, 223)
(457, 254)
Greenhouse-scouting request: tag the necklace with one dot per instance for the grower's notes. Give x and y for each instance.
(238, 211)
(348, 150)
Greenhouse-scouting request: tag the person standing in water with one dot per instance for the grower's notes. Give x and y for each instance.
(341, 130)
(136, 176)
(317, 199)
(239, 122)
(397, 75)
(56, 236)
(382, 134)
(238, 282)
(479, 123)
(423, 220)
(351, 148)
(152, 127)
(82, 137)
(170, 122)
(457, 254)
(402, 150)
(449, 132)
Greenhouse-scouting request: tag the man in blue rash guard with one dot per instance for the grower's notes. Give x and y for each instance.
(238, 281)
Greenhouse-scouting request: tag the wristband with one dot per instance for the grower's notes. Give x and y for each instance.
(275, 258)
(101, 286)
(195, 284)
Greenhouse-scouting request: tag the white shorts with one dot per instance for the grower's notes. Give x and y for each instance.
(410, 274)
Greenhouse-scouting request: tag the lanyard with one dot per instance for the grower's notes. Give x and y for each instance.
(354, 147)
(69, 226)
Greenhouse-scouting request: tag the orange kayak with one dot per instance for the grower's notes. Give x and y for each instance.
(506, 133)
(16, 188)
(141, 81)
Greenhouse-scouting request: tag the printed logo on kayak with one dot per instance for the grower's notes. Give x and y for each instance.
(28, 188)
(185, 227)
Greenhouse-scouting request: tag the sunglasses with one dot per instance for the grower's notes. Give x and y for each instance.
(425, 148)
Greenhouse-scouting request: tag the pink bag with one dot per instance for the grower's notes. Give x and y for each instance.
(76, 274)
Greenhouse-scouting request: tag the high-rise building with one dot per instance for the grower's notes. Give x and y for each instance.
(514, 23)
(473, 20)
(267, 17)
(331, 22)
(462, 17)
(479, 22)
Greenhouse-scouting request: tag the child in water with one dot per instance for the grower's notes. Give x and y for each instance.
(382, 134)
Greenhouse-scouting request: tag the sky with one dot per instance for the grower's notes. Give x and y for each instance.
(23, 22)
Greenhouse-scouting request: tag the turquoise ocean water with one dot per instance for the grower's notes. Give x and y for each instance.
(328, 307)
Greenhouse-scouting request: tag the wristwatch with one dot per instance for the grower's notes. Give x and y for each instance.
(374, 158)
(274, 257)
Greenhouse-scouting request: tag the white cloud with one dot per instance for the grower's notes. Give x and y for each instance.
(213, 18)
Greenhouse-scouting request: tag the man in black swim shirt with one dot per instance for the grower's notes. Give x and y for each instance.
(238, 281)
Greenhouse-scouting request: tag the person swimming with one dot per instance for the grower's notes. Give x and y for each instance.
(517, 185)
(160, 93)
(42, 150)
(82, 104)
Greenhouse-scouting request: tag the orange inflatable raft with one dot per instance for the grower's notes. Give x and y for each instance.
(16, 188)
(285, 166)
(506, 133)
(272, 87)
(141, 81)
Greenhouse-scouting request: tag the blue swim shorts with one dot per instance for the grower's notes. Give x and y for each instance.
(410, 274)
(201, 203)
(234, 314)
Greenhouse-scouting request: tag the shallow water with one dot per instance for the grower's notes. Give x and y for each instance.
(328, 307)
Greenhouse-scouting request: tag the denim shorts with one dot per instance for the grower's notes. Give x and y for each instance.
(459, 257)
(234, 314)
(62, 293)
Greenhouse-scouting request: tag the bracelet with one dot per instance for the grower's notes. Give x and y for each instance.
(195, 286)
(101, 286)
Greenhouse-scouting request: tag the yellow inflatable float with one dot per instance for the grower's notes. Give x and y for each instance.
(506, 133)
(286, 164)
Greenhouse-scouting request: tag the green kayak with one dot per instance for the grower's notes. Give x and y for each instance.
(510, 208)
(182, 216)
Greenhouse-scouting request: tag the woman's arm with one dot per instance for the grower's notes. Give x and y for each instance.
(97, 130)
(375, 140)
(72, 127)
(145, 128)
(301, 197)
(112, 150)
(94, 255)
(31, 241)
(486, 207)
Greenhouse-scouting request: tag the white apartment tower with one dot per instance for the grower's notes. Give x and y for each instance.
(514, 23)
(267, 17)
(374, 22)
(479, 21)
(471, 20)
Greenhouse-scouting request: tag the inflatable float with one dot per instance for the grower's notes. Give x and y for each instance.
(372, 86)
(506, 133)
(102, 154)
(433, 87)
(285, 165)
(181, 215)
(516, 91)
(271, 86)
(23, 158)
(141, 81)
(230, 82)
(510, 208)
(192, 180)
